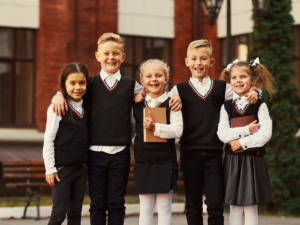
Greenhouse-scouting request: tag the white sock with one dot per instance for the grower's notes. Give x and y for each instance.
(164, 208)
(147, 206)
(251, 216)
(236, 215)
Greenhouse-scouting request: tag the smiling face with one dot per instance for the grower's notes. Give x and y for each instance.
(154, 79)
(199, 61)
(75, 86)
(240, 80)
(110, 55)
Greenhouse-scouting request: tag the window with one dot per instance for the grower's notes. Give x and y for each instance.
(239, 48)
(140, 49)
(17, 68)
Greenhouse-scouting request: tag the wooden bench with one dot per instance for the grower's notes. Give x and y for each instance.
(131, 178)
(29, 170)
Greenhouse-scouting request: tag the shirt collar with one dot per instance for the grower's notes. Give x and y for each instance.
(76, 104)
(160, 99)
(104, 75)
(196, 81)
(237, 97)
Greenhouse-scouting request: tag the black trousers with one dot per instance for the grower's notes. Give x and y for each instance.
(108, 177)
(68, 194)
(202, 171)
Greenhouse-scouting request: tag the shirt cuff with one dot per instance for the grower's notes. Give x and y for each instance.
(246, 131)
(170, 94)
(244, 143)
(259, 91)
(240, 132)
(157, 130)
(51, 170)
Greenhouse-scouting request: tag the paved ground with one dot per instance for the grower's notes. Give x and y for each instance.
(178, 219)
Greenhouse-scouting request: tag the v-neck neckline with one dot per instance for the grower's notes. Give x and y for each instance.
(81, 116)
(110, 89)
(203, 97)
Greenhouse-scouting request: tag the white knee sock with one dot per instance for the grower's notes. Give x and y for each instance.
(147, 206)
(236, 215)
(164, 208)
(251, 216)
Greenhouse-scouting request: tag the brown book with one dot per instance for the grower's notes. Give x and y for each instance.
(241, 122)
(159, 115)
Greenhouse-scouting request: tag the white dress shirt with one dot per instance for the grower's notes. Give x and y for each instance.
(204, 87)
(256, 140)
(172, 130)
(50, 135)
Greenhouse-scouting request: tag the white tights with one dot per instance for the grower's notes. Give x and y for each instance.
(163, 204)
(236, 215)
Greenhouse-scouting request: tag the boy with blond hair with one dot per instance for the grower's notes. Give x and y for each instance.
(109, 96)
(201, 150)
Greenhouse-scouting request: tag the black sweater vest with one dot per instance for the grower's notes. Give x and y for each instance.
(145, 152)
(252, 109)
(110, 112)
(71, 142)
(201, 116)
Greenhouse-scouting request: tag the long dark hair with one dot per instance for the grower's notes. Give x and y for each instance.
(66, 71)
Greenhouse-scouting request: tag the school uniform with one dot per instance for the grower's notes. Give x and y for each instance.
(110, 138)
(246, 179)
(66, 152)
(156, 169)
(201, 149)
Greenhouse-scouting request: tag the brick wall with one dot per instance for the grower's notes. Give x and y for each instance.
(184, 35)
(69, 30)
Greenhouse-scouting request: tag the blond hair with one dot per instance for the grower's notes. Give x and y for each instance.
(200, 43)
(161, 63)
(110, 37)
(262, 77)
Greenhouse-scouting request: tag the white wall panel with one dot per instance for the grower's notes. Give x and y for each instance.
(241, 13)
(19, 13)
(152, 18)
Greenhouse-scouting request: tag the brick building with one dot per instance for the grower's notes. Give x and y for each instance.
(37, 38)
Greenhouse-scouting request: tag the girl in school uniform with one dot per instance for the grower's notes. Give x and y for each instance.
(66, 148)
(156, 169)
(246, 179)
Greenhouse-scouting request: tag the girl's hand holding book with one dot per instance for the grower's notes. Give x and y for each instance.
(148, 123)
(50, 178)
(59, 105)
(235, 145)
(253, 127)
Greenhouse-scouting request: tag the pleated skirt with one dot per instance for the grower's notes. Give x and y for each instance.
(155, 178)
(246, 180)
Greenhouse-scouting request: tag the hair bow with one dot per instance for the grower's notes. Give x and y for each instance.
(254, 62)
(231, 64)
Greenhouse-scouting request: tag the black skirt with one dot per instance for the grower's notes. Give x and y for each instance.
(246, 180)
(155, 178)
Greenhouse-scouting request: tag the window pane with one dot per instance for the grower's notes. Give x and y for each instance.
(142, 49)
(127, 48)
(5, 93)
(126, 71)
(25, 44)
(161, 49)
(24, 92)
(6, 42)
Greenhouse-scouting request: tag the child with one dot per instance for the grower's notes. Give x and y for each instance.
(156, 169)
(250, 185)
(66, 148)
(201, 150)
(110, 101)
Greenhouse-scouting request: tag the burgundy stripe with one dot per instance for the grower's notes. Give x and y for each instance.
(77, 114)
(198, 94)
(106, 87)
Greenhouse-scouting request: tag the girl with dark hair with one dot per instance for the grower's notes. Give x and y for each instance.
(246, 179)
(66, 147)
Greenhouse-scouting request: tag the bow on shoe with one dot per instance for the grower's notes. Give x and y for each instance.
(231, 64)
(254, 62)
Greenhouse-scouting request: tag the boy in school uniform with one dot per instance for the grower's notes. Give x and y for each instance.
(201, 150)
(109, 96)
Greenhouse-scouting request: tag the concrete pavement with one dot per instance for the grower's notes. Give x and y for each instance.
(178, 219)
